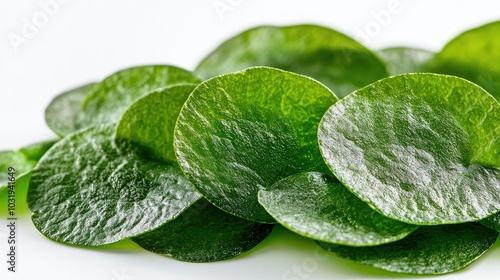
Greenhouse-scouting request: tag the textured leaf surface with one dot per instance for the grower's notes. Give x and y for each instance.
(402, 60)
(204, 233)
(241, 132)
(150, 121)
(311, 205)
(63, 110)
(111, 97)
(473, 55)
(336, 60)
(420, 148)
(91, 190)
(428, 250)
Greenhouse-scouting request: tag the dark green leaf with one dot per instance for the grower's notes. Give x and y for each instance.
(111, 97)
(311, 205)
(419, 148)
(91, 190)
(332, 58)
(402, 60)
(62, 112)
(150, 121)
(203, 233)
(241, 132)
(473, 55)
(428, 250)
(492, 221)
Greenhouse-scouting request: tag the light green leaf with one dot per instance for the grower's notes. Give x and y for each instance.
(14, 159)
(15, 191)
(150, 121)
(111, 97)
(241, 132)
(428, 250)
(402, 60)
(63, 110)
(314, 206)
(22, 160)
(336, 60)
(203, 233)
(419, 148)
(34, 152)
(91, 190)
(473, 55)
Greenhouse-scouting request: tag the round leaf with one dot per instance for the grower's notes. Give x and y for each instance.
(91, 190)
(473, 55)
(428, 250)
(336, 60)
(402, 60)
(203, 233)
(111, 97)
(241, 132)
(196, 234)
(419, 148)
(311, 205)
(150, 121)
(63, 110)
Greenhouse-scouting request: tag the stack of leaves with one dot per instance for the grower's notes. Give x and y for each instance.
(296, 125)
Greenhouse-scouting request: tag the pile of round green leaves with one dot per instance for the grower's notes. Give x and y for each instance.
(296, 125)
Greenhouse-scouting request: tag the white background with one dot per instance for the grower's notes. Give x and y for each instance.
(73, 43)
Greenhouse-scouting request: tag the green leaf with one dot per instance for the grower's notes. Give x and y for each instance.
(419, 148)
(196, 235)
(17, 191)
(63, 110)
(428, 250)
(91, 190)
(150, 121)
(22, 160)
(203, 233)
(492, 221)
(111, 97)
(402, 60)
(336, 60)
(14, 159)
(241, 132)
(34, 152)
(311, 205)
(473, 55)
